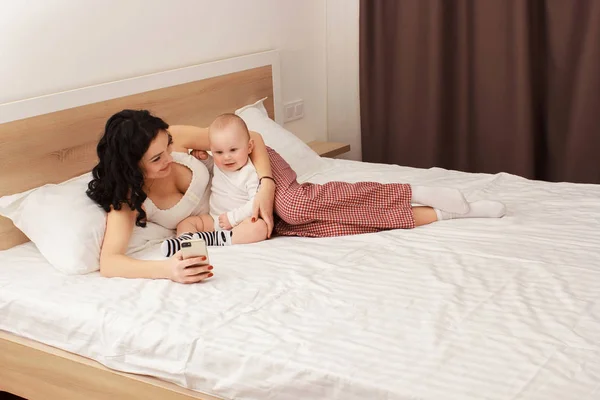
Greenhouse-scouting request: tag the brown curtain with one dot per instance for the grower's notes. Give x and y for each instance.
(483, 86)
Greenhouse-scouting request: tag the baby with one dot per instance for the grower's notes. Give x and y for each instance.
(234, 185)
(235, 181)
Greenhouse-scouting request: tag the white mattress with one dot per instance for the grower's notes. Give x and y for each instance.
(466, 309)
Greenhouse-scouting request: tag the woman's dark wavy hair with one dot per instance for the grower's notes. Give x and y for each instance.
(118, 178)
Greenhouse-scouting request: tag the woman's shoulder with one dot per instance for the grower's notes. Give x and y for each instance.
(124, 213)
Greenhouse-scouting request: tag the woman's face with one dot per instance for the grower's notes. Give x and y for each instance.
(156, 162)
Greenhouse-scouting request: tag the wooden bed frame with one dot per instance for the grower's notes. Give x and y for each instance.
(50, 139)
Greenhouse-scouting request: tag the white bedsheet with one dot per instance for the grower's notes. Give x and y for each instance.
(466, 309)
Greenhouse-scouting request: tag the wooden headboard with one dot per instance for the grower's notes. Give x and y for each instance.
(53, 138)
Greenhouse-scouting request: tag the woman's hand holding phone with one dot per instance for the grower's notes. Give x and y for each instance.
(188, 270)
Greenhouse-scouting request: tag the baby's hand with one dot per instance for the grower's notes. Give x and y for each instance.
(224, 222)
(199, 154)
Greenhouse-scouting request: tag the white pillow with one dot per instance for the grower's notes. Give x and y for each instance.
(297, 153)
(67, 227)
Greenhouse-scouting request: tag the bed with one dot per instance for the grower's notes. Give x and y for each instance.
(465, 309)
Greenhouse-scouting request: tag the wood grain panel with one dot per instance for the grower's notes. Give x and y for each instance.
(38, 372)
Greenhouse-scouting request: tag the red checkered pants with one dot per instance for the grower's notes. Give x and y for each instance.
(337, 208)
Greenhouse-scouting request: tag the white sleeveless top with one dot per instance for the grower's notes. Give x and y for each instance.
(195, 200)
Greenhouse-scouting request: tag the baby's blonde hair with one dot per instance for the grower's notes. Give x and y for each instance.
(225, 120)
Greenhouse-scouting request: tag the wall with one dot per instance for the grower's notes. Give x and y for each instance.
(343, 105)
(48, 46)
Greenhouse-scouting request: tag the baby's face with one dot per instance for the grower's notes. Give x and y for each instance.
(230, 147)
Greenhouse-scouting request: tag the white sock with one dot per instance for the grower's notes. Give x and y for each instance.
(217, 238)
(445, 199)
(479, 209)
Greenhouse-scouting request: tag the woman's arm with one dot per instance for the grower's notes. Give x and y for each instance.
(260, 156)
(196, 138)
(263, 201)
(114, 262)
(189, 137)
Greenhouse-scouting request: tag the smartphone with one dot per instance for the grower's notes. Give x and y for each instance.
(195, 248)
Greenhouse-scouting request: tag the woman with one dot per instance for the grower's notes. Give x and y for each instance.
(136, 181)
(145, 174)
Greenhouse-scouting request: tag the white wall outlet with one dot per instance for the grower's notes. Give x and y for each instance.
(293, 110)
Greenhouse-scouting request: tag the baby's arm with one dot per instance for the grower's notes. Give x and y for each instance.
(239, 214)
